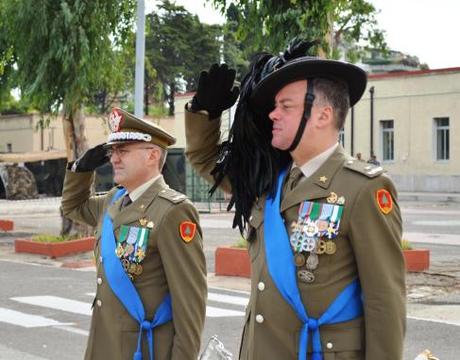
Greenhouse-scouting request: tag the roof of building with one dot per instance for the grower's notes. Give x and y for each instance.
(412, 73)
(32, 156)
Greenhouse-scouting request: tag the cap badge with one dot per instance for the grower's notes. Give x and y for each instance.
(115, 120)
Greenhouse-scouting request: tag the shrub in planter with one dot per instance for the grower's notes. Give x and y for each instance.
(54, 246)
(415, 259)
(233, 260)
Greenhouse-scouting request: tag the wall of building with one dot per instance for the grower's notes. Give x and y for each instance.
(23, 133)
(17, 130)
(412, 101)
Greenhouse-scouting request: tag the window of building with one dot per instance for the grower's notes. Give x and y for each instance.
(9, 147)
(387, 136)
(441, 138)
(342, 137)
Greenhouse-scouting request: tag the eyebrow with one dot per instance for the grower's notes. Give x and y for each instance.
(284, 101)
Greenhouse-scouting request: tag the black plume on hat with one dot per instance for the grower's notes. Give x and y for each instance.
(248, 160)
(294, 65)
(296, 48)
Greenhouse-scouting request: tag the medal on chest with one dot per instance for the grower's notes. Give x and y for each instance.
(313, 234)
(131, 248)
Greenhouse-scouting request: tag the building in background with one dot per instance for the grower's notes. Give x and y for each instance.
(416, 128)
(42, 151)
(415, 133)
(377, 62)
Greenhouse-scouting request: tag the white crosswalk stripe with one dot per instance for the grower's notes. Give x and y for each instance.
(222, 304)
(229, 299)
(236, 301)
(27, 320)
(212, 311)
(57, 303)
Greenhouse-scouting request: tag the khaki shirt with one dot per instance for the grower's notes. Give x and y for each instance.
(368, 248)
(171, 265)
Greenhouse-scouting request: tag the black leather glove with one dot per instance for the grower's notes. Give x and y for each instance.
(215, 92)
(90, 160)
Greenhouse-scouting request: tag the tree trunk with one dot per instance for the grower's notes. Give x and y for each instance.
(146, 99)
(76, 145)
(74, 132)
(171, 93)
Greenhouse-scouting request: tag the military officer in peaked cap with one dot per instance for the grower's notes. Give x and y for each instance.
(151, 275)
(323, 229)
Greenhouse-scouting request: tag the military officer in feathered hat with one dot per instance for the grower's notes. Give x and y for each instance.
(323, 229)
(151, 275)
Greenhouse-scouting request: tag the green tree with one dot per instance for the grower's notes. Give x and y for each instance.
(339, 24)
(66, 51)
(178, 47)
(7, 71)
(236, 52)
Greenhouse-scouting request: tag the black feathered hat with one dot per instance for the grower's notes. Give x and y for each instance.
(254, 176)
(279, 72)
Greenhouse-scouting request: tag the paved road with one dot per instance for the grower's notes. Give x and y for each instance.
(434, 308)
(419, 217)
(45, 314)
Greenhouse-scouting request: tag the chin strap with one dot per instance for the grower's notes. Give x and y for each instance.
(309, 98)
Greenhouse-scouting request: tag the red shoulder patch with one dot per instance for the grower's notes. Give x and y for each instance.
(187, 230)
(384, 201)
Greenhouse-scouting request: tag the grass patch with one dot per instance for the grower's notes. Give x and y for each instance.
(44, 238)
(406, 245)
(241, 243)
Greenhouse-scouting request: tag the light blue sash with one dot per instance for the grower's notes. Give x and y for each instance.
(279, 256)
(124, 289)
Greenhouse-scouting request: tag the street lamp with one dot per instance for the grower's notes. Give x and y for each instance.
(140, 55)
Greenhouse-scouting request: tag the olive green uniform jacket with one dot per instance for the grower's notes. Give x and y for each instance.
(368, 248)
(170, 266)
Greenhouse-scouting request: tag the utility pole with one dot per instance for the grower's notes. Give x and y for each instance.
(371, 91)
(352, 134)
(140, 58)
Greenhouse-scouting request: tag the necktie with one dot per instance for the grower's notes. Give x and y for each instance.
(294, 176)
(126, 201)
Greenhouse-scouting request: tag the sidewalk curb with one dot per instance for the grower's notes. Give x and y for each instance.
(429, 197)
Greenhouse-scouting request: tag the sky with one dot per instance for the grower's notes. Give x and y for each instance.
(424, 28)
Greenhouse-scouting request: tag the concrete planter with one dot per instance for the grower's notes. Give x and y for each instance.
(235, 261)
(417, 259)
(54, 250)
(231, 261)
(6, 225)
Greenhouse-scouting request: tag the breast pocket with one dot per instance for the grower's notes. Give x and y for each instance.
(97, 236)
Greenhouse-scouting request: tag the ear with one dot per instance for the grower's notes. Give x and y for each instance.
(325, 116)
(154, 155)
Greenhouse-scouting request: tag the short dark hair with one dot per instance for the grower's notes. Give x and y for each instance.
(163, 156)
(335, 93)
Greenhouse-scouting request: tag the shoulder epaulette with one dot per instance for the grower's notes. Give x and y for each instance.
(363, 168)
(172, 195)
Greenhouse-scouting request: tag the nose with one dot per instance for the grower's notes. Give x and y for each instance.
(114, 156)
(274, 114)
